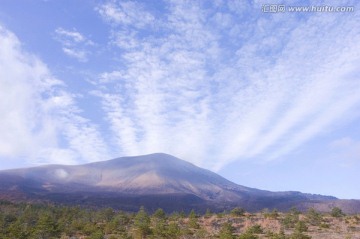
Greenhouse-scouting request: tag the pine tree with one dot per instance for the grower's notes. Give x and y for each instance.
(142, 223)
(159, 214)
(227, 231)
(207, 213)
(301, 226)
(160, 225)
(193, 220)
(173, 230)
(46, 226)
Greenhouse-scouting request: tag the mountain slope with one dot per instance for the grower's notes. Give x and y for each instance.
(155, 180)
(148, 174)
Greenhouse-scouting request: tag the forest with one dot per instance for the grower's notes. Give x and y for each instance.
(45, 221)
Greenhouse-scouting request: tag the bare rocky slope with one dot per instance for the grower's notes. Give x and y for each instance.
(155, 180)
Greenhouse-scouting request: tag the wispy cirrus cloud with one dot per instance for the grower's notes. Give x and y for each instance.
(80, 55)
(128, 13)
(208, 82)
(40, 120)
(69, 37)
(213, 86)
(73, 43)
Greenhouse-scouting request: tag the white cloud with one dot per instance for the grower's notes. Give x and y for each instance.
(125, 39)
(210, 83)
(110, 76)
(78, 54)
(128, 13)
(73, 43)
(40, 121)
(22, 113)
(68, 37)
(214, 93)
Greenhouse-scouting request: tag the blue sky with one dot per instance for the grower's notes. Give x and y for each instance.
(267, 100)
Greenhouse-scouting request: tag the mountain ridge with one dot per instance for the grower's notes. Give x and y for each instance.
(145, 179)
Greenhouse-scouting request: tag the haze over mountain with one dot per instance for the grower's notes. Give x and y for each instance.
(155, 180)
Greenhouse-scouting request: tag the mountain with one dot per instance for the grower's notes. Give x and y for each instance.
(155, 180)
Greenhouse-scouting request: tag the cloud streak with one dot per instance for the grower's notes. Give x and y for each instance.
(209, 82)
(73, 43)
(212, 93)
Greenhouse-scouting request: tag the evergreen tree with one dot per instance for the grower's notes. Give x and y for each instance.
(182, 214)
(142, 223)
(2, 223)
(118, 224)
(207, 213)
(193, 220)
(19, 230)
(301, 226)
(173, 230)
(46, 226)
(227, 231)
(105, 215)
(160, 224)
(159, 214)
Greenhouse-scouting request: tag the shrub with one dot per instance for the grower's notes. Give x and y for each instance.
(97, 235)
(273, 214)
(256, 229)
(237, 212)
(273, 235)
(291, 218)
(314, 217)
(337, 212)
(301, 226)
(248, 235)
(299, 235)
(227, 231)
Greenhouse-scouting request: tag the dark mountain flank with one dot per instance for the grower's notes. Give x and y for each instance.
(155, 180)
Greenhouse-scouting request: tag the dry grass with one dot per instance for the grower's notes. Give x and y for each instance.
(327, 228)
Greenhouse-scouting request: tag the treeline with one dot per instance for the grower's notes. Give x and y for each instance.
(23, 220)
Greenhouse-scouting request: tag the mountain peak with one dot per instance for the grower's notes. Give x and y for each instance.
(156, 157)
(159, 162)
(156, 175)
